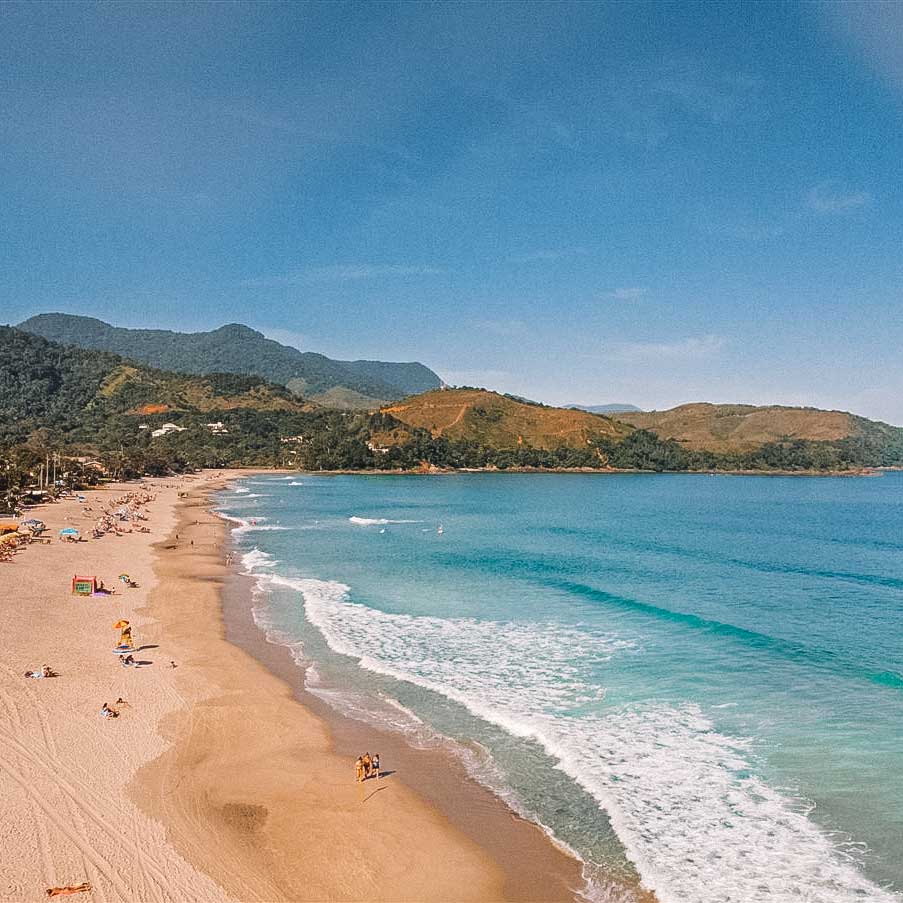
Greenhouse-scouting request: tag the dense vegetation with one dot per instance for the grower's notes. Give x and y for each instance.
(238, 349)
(62, 402)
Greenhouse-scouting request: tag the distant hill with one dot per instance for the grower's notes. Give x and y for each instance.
(501, 422)
(740, 428)
(691, 437)
(603, 408)
(239, 349)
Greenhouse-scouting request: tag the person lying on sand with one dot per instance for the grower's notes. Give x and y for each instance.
(45, 671)
(107, 712)
(127, 661)
(69, 889)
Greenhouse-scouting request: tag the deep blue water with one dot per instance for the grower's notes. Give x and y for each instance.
(695, 681)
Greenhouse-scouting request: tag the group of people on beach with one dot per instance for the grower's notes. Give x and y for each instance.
(124, 510)
(367, 766)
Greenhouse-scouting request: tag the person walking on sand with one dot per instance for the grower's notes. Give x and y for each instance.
(375, 765)
(359, 768)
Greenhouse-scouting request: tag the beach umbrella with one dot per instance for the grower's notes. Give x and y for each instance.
(120, 624)
(33, 522)
(68, 531)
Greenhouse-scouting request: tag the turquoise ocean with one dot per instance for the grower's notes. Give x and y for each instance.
(694, 681)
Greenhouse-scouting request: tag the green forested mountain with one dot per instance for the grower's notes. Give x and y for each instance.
(239, 349)
(69, 398)
(61, 398)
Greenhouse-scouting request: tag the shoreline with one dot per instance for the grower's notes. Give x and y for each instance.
(527, 856)
(588, 471)
(232, 769)
(214, 783)
(535, 864)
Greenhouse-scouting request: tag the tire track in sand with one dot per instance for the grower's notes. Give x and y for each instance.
(86, 802)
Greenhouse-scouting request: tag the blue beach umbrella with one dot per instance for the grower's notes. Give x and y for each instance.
(68, 531)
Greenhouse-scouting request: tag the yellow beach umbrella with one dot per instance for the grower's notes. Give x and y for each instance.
(120, 624)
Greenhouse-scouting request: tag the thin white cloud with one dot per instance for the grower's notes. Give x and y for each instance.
(345, 272)
(633, 293)
(872, 31)
(690, 349)
(831, 197)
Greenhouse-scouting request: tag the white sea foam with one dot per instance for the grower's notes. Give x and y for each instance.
(379, 521)
(684, 799)
(249, 526)
(241, 490)
(260, 612)
(296, 483)
(256, 559)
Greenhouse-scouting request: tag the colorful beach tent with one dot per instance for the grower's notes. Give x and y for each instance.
(83, 586)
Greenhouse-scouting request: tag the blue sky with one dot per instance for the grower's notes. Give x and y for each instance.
(648, 203)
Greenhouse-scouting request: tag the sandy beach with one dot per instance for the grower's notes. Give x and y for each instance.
(214, 783)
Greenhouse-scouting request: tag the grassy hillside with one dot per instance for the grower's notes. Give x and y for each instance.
(500, 422)
(238, 349)
(742, 428)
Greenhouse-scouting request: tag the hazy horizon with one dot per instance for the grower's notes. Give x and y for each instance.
(577, 203)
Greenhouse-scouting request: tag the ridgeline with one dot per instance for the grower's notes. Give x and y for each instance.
(131, 419)
(239, 349)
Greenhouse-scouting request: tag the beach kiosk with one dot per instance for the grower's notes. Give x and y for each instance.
(84, 586)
